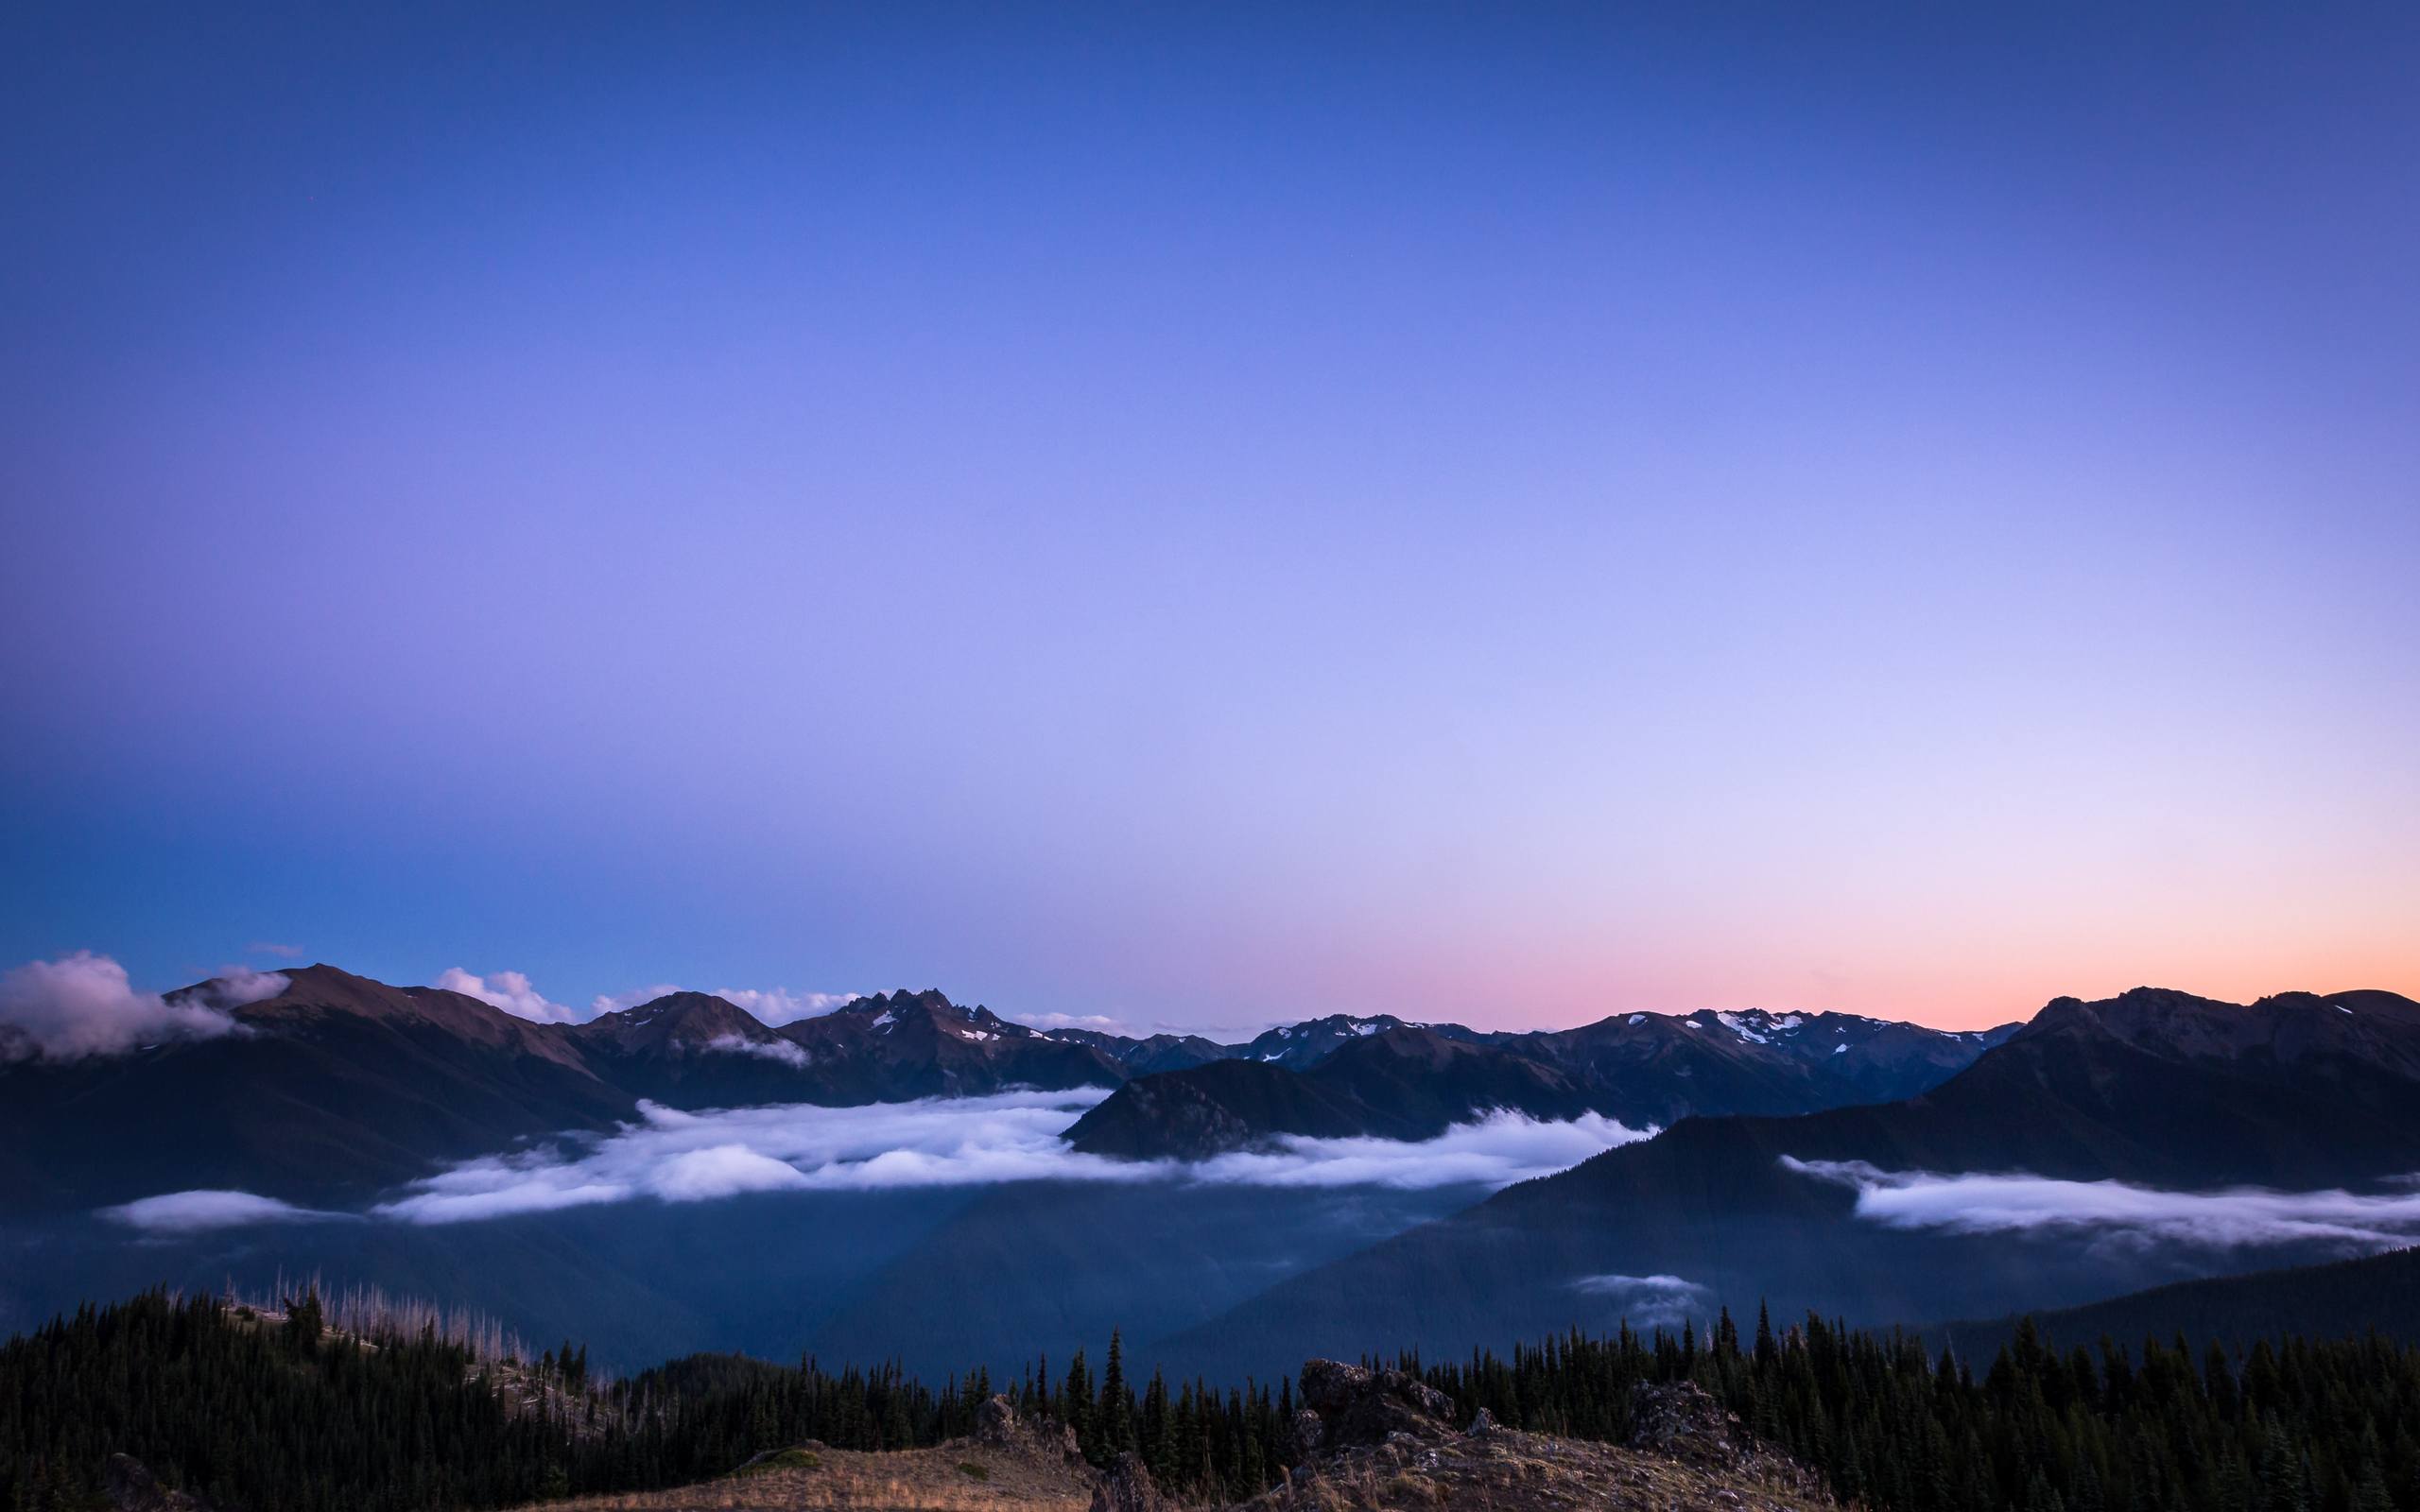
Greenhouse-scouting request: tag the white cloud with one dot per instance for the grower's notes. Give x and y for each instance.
(1495, 1151)
(236, 986)
(185, 1212)
(508, 990)
(1647, 1301)
(1100, 1021)
(83, 1005)
(512, 992)
(681, 1156)
(722, 1171)
(779, 1004)
(2230, 1218)
(284, 952)
(781, 1050)
(945, 1142)
(604, 1002)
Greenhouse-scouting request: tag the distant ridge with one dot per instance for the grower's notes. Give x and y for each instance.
(341, 1085)
(2163, 1089)
(2344, 1298)
(1384, 1077)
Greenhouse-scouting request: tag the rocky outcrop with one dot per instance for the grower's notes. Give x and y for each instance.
(1127, 1487)
(1347, 1405)
(1385, 1441)
(999, 1424)
(1681, 1421)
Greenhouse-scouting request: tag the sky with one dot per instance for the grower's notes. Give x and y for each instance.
(1205, 516)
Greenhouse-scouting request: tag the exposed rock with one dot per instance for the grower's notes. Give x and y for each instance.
(1382, 1442)
(997, 1422)
(1127, 1486)
(994, 1421)
(1682, 1420)
(131, 1488)
(1359, 1407)
(1308, 1432)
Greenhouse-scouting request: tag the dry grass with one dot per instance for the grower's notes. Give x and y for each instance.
(920, 1480)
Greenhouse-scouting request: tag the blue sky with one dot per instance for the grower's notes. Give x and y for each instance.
(1206, 515)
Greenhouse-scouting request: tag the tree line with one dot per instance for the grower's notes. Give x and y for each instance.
(273, 1412)
(2297, 1425)
(270, 1413)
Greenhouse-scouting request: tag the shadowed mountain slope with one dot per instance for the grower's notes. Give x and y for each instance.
(2154, 1088)
(1643, 1070)
(335, 1084)
(2344, 1298)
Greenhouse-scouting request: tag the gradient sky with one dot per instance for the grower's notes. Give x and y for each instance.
(1210, 515)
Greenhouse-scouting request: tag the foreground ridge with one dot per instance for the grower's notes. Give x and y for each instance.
(1366, 1440)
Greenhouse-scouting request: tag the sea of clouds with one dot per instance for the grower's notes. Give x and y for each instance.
(671, 1156)
(2122, 1213)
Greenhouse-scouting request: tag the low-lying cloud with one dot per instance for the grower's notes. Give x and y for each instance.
(1496, 1151)
(84, 1005)
(185, 1212)
(681, 1156)
(779, 1050)
(1647, 1301)
(2234, 1217)
(671, 1156)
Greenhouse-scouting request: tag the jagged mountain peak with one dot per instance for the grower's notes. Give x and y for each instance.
(931, 1003)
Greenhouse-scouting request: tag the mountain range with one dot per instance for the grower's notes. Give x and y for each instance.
(1383, 1076)
(2102, 1147)
(339, 1085)
(1878, 1172)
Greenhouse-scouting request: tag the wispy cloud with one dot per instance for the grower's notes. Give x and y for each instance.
(604, 1002)
(1647, 1301)
(185, 1212)
(681, 1156)
(83, 1005)
(671, 1156)
(767, 1004)
(508, 990)
(781, 1050)
(2233, 1217)
(1100, 1021)
(678, 1157)
(284, 952)
(779, 1004)
(1495, 1151)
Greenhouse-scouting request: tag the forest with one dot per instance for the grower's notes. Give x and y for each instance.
(2291, 1426)
(274, 1412)
(278, 1412)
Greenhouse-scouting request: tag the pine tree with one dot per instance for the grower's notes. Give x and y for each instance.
(1115, 1419)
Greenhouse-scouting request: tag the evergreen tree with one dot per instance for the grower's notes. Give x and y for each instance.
(1114, 1419)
